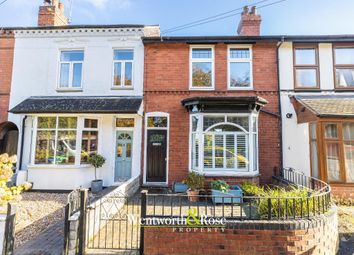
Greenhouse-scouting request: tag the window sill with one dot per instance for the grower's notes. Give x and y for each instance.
(69, 90)
(202, 88)
(229, 174)
(86, 166)
(240, 88)
(122, 88)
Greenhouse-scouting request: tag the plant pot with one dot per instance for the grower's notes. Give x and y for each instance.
(179, 187)
(193, 195)
(96, 186)
(233, 196)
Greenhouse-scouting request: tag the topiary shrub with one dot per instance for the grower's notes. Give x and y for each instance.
(96, 161)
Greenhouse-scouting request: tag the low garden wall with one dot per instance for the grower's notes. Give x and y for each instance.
(318, 235)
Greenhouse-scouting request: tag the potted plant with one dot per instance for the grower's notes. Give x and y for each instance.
(224, 193)
(195, 183)
(96, 161)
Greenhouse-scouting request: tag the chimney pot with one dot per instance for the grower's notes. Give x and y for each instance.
(245, 10)
(254, 10)
(61, 7)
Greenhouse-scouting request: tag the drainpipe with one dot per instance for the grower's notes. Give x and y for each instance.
(22, 141)
(279, 105)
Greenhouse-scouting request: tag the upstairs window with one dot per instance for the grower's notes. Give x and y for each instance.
(123, 68)
(202, 68)
(306, 67)
(344, 67)
(240, 68)
(71, 63)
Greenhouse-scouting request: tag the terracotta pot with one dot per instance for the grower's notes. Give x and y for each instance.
(193, 195)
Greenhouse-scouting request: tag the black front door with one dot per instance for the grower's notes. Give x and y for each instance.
(156, 155)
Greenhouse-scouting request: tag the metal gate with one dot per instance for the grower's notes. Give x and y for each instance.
(112, 223)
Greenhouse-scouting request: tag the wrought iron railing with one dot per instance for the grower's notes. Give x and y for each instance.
(315, 200)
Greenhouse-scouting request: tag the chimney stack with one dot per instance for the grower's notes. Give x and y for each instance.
(250, 23)
(51, 13)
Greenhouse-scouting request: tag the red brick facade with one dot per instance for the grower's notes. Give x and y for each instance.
(167, 84)
(7, 42)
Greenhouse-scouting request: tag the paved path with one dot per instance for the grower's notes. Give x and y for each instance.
(48, 242)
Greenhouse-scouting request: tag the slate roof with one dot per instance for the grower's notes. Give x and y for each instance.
(76, 104)
(328, 105)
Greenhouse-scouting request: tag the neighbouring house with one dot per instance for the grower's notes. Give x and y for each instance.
(211, 105)
(8, 130)
(316, 75)
(77, 90)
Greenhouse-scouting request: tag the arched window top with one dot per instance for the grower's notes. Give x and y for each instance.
(124, 136)
(226, 127)
(239, 121)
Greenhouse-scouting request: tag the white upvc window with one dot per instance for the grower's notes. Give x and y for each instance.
(123, 66)
(240, 67)
(64, 140)
(224, 144)
(71, 69)
(201, 68)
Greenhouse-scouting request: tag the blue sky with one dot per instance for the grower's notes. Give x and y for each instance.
(288, 17)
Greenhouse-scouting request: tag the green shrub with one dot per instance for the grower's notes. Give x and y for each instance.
(290, 201)
(251, 189)
(220, 185)
(195, 181)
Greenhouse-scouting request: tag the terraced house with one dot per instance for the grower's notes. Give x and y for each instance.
(211, 106)
(317, 100)
(77, 90)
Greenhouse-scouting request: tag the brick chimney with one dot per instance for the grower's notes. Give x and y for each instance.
(250, 23)
(51, 13)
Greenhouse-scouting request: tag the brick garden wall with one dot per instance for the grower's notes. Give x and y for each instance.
(166, 84)
(307, 237)
(7, 42)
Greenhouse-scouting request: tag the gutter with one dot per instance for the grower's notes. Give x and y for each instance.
(22, 142)
(279, 44)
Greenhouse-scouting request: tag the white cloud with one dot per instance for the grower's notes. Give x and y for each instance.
(103, 4)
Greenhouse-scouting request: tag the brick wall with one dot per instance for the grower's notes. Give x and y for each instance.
(7, 42)
(318, 236)
(343, 191)
(167, 84)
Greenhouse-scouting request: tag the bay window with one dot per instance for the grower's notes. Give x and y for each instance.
(60, 139)
(224, 143)
(337, 152)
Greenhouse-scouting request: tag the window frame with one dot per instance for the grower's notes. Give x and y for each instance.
(201, 60)
(71, 70)
(340, 66)
(79, 129)
(123, 62)
(304, 67)
(251, 170)
(321, 149)
(239, 60)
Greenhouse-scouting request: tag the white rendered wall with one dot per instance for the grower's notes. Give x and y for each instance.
(35, 73)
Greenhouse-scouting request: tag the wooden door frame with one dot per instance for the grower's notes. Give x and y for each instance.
(146, 128)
